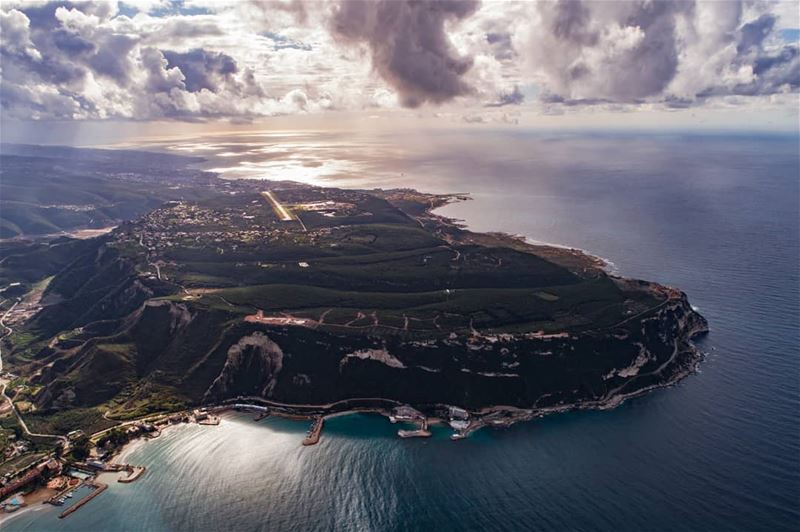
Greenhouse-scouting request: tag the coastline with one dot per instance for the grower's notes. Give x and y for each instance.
(533, 244)
(578, 258)
(5, 518)
(483, 417)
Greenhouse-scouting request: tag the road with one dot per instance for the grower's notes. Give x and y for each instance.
(3, 383)
(158, 269)
(150, 418)
(8, 330)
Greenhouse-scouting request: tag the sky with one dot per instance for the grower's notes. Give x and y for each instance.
(169, 65)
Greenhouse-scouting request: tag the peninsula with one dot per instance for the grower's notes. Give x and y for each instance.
(314, 301)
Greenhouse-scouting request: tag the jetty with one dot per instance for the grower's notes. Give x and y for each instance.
(99, 488)
(316, 429)
(421, 432)
(133, 474)
(418, 433)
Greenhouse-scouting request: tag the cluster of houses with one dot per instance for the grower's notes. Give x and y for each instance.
(457, 418)
(15, 447)
(45, 469)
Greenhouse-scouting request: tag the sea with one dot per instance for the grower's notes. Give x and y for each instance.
(716, 215)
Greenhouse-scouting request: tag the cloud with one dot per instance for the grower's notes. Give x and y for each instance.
(620, 51)
(408, 44)
(269, 10)
(282, 42)
(635, 52)
(514, 97)
(15, 27)
(87, 60)
(501, 45)
(202, 69)
(238, 60)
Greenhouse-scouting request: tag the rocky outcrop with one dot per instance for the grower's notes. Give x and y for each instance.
(252, 367)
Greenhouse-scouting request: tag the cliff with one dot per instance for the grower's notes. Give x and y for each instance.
(207, 356)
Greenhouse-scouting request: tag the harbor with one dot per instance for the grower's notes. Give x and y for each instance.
(96, 489)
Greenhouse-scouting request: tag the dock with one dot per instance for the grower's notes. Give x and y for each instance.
(314, 433)
(99, 488)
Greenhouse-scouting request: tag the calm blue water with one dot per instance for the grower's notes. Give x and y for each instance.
(715, 216)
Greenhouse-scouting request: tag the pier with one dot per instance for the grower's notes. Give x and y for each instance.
(418, 433)
(314, 433)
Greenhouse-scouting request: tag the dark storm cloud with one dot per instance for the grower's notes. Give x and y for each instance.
(202, 69)
(408, 43)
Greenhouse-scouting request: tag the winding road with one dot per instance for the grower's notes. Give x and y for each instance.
(4, 383)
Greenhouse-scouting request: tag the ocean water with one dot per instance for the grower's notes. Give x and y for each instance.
(716, 216)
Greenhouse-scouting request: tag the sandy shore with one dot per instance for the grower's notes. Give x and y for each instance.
(123, 452)
(127, 449)
(33, 503)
